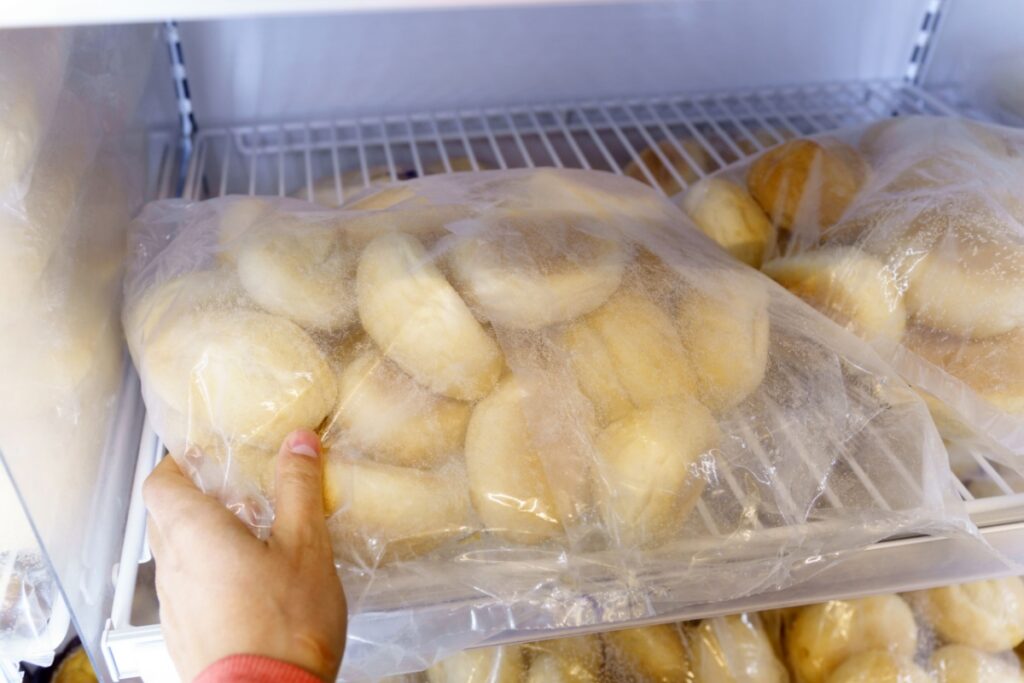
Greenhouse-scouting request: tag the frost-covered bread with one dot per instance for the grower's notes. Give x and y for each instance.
(419, 321)
(987, 615)
(725, 212)
(626, 354)
(823, 636)
(301, 272)
(913, 135)
(385, 414)
(687, 159)
(725, 331)
(382, 512)
(483, 665)
(530, 269)
(507, 481)
(566, 660)
(648, 468)
(654, 653)
(234, 219)
(879, 666)
(848, 285)
(806, 185)
(962, 664)
(734, 649)
(249, 375)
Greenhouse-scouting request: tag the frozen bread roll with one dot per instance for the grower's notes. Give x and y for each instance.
(419, 321)
(987, 615)
(913, 135)
(249, 376)
(821, 637)
(851, 287)
(725, 212)
(648, 467)
(654, 654)
(324, 190)
(687, 160)
(381, 512)
(734, 649)
(879, 666)
(626, 354)
(962, 664)
(726, 333)
(566, 660)
(805, 185)
(507, 481)
(483, 665)
(301, 272)
(530, 269)
(385, 413)
(235, 217)
(992, 367)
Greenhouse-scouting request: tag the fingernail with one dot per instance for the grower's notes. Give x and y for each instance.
(303, 449)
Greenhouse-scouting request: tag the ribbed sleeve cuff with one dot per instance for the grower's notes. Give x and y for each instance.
(254, 669)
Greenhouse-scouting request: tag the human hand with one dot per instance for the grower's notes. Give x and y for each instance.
(223, 591)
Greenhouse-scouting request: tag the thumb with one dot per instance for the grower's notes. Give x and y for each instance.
(299, 508)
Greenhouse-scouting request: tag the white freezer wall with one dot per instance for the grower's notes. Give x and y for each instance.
(275, 69)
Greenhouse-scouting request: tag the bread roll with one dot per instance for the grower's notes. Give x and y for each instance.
(879, 666)
(987, 615)
(824, 636)
(961, 664)
(507, 481)
(408, 308)
(689, 170)
(385, 413)
(235, 217)
(566, 660)
(914, 135)
(628, 354)
(725, 212)
(648, 465)
(530, 269)
(734, 649)
(848, 285)
(379, 513)
(655, 654)
(483, 665)
(353, 184)
(806, 185)
(726, 335)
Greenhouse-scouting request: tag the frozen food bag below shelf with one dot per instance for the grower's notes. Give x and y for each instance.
(546, 400)
(910, 232)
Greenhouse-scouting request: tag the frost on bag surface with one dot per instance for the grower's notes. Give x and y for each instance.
(547, 402)
(910, 232)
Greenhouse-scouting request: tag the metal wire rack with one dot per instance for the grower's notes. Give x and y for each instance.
(668, 142)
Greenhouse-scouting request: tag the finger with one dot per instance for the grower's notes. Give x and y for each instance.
(166, 488)
(299, 513)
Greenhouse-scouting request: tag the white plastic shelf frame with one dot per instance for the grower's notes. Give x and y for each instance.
(343, 156)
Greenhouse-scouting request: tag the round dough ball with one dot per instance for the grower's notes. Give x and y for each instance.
(726, 213)
(992, 367)
(408, 308)
(235, 217)
(301, 272)
(879, 666)
(566, 660)
(726, 336)
(690, 170)
(734, 649)
(384, 412)
(902, 135)
(238, 374)
(507, 482)
(961, 664)
(807, 183)
(823, 636)
(653, 653)
(482, 665)
(648, 468)
(848, 285)
(381, 512)
(530, 269)
(987, 615)
(628, 354)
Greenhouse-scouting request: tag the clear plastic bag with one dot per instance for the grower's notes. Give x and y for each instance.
(547, 402)
(909, 231)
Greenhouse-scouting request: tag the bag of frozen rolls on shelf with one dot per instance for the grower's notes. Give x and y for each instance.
(910, 232)
(545, 399)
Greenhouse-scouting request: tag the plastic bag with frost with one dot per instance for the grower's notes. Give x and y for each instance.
(910, 232)
(546, 402)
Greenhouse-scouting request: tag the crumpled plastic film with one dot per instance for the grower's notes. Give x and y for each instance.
(547, 402)
(909, 231)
